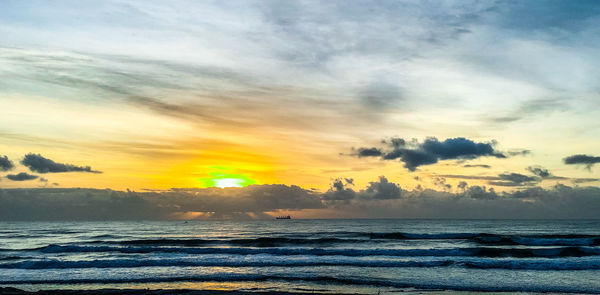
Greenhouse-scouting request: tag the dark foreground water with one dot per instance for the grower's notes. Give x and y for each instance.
(305, 255)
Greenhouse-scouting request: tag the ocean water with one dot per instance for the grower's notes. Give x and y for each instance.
(364, 256)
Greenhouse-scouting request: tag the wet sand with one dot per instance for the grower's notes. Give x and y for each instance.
(15, 291)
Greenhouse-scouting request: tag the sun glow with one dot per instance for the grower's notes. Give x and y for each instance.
(222, 178)
(228, 182)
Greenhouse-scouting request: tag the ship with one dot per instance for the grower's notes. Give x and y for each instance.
(283, 217)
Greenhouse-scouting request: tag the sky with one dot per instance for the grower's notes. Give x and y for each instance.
(320, 108)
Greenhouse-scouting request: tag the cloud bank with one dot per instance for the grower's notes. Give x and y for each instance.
(379, 199)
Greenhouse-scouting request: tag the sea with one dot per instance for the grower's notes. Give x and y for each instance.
(330, 256)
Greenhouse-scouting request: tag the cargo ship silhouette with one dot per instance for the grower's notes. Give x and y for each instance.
(283, 217)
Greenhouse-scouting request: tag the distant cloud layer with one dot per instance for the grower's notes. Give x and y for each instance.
(380, 199)
(23, 176)
(586, 160)
(37, 163)
(430, 151)
(6, 164)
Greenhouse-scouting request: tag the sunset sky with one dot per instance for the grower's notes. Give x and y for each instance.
(192, 94)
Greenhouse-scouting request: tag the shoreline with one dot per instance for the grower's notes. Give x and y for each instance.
(127, 291)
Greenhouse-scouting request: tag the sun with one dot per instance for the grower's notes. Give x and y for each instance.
(228, 182)
(221, 177)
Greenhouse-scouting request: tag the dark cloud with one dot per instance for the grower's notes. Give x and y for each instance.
(96, 204)
(539, 171)
(441, 183)
(518, 153)
(383, 190)
(339, 191)
(479, 192)
(477, 166)
(37, 163)
(21, 176)
(412, 158)
(6, 164)
(430, 151)
(457, 148)
(395, 142)
(369, 152)
(584, 180)
(586, 160)
(475, 177)
(462, 185)
(380, 199)
(479, 202)
(515, 179)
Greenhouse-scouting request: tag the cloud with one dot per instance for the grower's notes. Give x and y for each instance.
(369, 152)
(441, 183)
(462, 185)
(475, 177)
(539, 171)
(530, 108)
(37, 163)
(97, 204)
(518, 153)
(515, 179)
(504, 179)
(430, 151)
(6, 164)
(477, 166)
(580, 159)
(382, 190)
(480, 202)
(21, 176)
(379, 199)
(339, 191)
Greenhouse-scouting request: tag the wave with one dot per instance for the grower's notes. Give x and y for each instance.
(471, 251)
(498, 239)
(238, 277)
(479, 263)
(479, 238)
(130, 263)
(11, 257)
(531, 264)
(415, 236)
(253, 242)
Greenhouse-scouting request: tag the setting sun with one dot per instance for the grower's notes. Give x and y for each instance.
(228, 182)
(223, 177)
